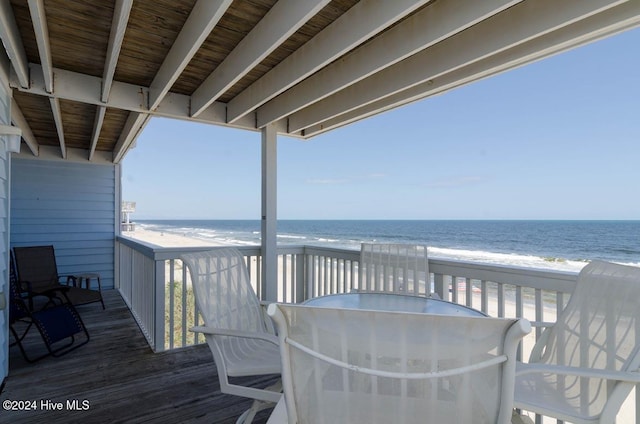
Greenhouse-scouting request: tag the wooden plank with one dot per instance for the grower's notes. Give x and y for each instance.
(122, 379)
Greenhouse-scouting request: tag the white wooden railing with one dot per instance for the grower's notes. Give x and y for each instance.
(155, 286)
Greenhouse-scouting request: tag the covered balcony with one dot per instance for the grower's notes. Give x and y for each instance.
(80, 80)
(142, 344)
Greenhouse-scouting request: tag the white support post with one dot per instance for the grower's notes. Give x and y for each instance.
(269, 214)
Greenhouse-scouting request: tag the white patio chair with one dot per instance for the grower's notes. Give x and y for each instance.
(234, 324)
(394, 268)
(583, 367)
(361, 366)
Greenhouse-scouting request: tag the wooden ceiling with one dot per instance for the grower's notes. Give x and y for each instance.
(87, 76)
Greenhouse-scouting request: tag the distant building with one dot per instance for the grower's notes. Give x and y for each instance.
(127, 209)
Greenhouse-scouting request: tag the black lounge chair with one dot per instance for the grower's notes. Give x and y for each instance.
(59, 324)
(38, 274)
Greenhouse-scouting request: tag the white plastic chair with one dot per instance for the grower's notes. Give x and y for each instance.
(583, 367)
(234, 324)
(394, 268)
(360, 366)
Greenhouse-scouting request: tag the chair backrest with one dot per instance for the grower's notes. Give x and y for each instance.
(347, 365)
(598, 329)
(223, 291)
(394, 268)
(37, 265)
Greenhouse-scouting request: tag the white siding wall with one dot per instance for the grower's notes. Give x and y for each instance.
(69, 205)
(5, 166)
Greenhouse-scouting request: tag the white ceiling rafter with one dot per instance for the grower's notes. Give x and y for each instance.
(57, 117)
(21, 122)
(40, 28)
(501, 32)
(97, 127)
(119, 23)
(284, 19)
(118, 28)
(39, 19)
(12, 41)
(355, 26)
(423, 29)
(201, 21)
(613, 21)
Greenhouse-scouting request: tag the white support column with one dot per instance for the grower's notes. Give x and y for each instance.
(269, 213)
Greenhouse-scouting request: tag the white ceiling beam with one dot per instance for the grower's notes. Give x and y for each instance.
(594, 28)
(514, 26)
(425, 28)
(97, 127)
(20, 121)
(356, 25)
(40, 28)
(203, 18)
(12, 41)
(118, 27)
(57, 117)
(284, 19)
(39, 19)
(121, 12)
(87, 89)
(134, 125)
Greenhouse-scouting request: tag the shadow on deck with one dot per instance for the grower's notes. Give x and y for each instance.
(121, 378)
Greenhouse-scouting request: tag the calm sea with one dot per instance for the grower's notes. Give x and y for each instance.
(553, 244)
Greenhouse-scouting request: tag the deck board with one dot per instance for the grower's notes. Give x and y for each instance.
(121, 377)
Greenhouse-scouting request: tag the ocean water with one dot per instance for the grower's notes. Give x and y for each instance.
(562, 245)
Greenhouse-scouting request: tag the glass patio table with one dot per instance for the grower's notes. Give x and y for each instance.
(394, 303)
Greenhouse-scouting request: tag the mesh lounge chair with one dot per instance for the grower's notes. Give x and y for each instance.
(360, 366)
(583, 367)
(235, 325)
(58, 324)
(38, 274)
(394, 268)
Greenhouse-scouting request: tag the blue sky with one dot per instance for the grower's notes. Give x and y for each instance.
(557, 139)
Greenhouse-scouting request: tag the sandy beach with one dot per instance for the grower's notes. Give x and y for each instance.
(162, 239)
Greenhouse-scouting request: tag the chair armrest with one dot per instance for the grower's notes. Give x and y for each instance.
(626, 376)
(235, 333)
(538, 348)
(25, 289)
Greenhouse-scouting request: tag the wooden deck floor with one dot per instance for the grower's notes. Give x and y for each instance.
(121, 378)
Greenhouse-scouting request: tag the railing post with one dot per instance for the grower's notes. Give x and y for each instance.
(159, 306)
(269, 213)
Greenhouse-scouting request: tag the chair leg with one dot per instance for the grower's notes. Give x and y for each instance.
(258, 405)
(19, 343)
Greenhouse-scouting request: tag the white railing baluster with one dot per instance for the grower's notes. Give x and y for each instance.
(484, 296)
(500, 296)
(172, 306)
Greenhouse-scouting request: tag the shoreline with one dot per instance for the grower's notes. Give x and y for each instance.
(167, 239)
